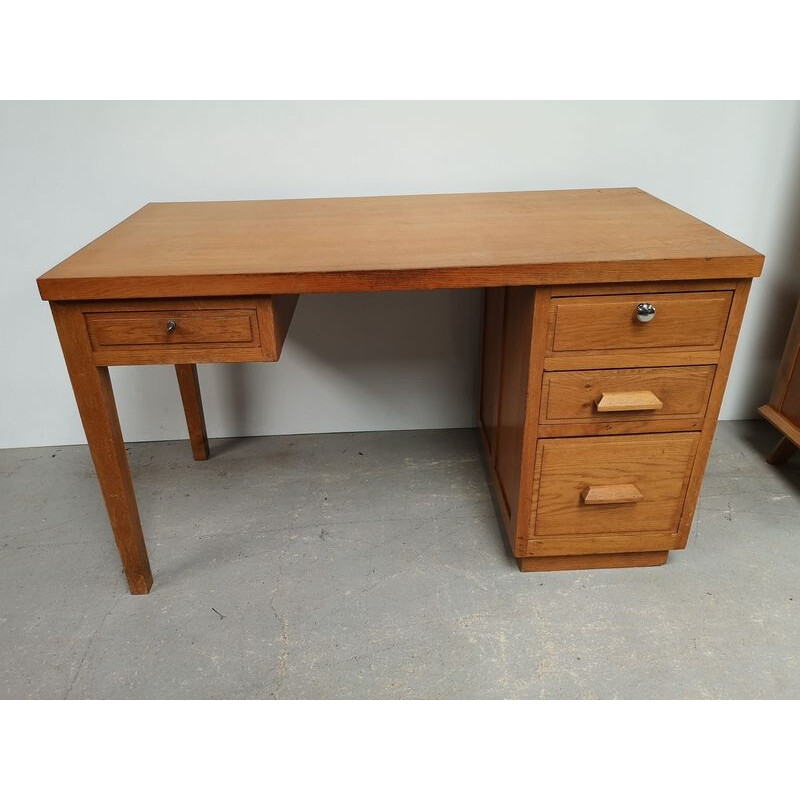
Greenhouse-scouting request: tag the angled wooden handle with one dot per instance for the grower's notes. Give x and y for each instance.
(605, 495)
(629, 401)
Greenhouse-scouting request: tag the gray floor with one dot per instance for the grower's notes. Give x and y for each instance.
(371, 566)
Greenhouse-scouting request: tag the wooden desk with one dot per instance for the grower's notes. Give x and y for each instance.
(596, 414)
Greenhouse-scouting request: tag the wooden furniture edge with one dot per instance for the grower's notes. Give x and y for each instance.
(643, 287)
(593, 561)
(788, 363)
(631, 359)
(523, 510)
(516, 334)
(94, 396)
(568, 430)
(189, 386)
(274, 314)
(735, 318)
(784, 425)
(460, 277)
(496, 490)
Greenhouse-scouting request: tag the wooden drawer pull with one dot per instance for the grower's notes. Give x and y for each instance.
(628, 401)
(604, 495)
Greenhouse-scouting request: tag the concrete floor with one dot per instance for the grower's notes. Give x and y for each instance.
(371, 565)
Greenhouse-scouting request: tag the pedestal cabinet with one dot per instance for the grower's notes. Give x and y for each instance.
(598, 407)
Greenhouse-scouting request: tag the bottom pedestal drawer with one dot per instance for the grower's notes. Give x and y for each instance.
(610, 486)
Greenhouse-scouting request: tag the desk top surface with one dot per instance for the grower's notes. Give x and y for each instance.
(405, 242)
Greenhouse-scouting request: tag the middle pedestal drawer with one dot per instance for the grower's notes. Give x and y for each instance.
(624, 400)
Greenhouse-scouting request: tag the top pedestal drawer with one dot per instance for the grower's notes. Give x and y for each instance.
(609, 322)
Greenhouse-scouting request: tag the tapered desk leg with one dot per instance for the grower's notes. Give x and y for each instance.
(193, 406)
(783, 450)
(95, 398)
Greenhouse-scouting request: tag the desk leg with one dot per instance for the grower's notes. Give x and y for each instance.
(193, 406)
(95, 398)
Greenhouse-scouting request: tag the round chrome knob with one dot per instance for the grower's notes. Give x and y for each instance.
(171, 325)
(645, 312)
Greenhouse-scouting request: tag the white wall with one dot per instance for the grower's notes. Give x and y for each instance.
(69, 171)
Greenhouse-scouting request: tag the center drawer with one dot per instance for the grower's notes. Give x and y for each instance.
(189, 331)
(173, 327)
(611, 485)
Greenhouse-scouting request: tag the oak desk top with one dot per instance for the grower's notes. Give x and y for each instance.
(409, 242)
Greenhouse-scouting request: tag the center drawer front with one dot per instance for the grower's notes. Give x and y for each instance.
(574, 396)
(225, 326)
(188, 331)
(571, 471)
(608, 322)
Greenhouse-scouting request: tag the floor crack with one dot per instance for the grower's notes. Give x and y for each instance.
(74, 678)
(283, 659)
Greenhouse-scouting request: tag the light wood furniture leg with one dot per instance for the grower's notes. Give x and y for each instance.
(784, 450)
(193, 406)
(95, 398)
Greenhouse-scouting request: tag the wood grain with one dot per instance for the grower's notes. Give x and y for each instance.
(95, 398)
(389, 243)
(189, 386)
